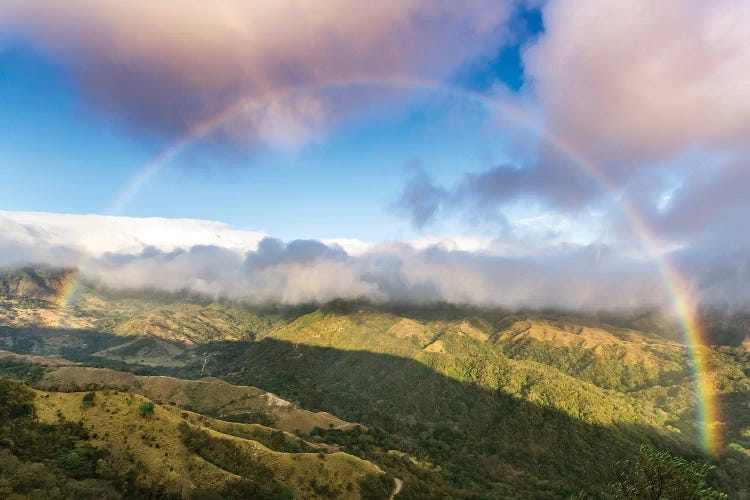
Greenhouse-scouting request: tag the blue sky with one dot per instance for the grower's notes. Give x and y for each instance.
(58, 153)
(620, 119)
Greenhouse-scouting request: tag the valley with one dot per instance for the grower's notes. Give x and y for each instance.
(443, 401)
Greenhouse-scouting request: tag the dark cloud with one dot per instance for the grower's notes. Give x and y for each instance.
(710, 200)
(554, 182)
(274, 252)
(421, 199)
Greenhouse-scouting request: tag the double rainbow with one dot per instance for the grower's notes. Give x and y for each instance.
(708, 416)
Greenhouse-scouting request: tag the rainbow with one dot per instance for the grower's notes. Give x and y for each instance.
(708, 415)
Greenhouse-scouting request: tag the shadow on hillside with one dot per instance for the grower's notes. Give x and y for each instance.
(78, 345)
(480, 440)
(70, 343)
(734, 406)
(476, 435)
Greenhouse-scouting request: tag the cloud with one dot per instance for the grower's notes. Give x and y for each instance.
(279, 272)
(643, 80)
(166, 66)
(473, 271)
(713, 199)
(485, 195)
(220, 261)
(94, 235)
(643, 111)
(421, 199)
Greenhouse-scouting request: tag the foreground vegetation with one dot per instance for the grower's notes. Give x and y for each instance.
(108, 444)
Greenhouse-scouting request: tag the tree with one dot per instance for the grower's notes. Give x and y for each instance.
(76, 463)
(16, 400)
(147, 409)
(657, 475)
(88, 400)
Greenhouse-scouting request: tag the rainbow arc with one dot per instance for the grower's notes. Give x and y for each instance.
(708, 415)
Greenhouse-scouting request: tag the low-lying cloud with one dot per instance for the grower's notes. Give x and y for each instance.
(269, 270)
(573, 279)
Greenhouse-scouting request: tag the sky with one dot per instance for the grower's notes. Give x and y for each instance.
(518, 153)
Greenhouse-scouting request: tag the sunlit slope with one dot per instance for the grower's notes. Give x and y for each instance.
(160, 449)
(462, 350)
(194, 324)
(35, 283)
(367, 328)
(40, 297)
(208, 396)
(615, 358)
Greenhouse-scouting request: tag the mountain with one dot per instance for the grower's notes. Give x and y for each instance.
(449, 401)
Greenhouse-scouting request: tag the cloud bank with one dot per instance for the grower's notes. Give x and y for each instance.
(262, 269)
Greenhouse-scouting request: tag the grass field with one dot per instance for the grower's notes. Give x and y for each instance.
(155, 449)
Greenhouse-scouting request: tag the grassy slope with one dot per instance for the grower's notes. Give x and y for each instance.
(206, 396)
(651, 400)
(162, 458)
(195, 324)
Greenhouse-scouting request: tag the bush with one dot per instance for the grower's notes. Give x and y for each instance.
(21, 370)
(660, 475)
(376, 486)
(76, 463)
(147, 409)
(88, 400)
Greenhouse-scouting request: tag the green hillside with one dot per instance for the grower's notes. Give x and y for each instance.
(454, 402)
(112, 444)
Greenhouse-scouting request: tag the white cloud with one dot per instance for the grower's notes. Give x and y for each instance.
(215, 259)
(95, 235)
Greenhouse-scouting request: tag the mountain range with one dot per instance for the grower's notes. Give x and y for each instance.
(351, 399)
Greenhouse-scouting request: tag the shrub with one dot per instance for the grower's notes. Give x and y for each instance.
(75, 463)
(376, 486)
(147, 409)
(659, 474)
(88, 400)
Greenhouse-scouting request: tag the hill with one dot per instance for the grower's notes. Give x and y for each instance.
(112, 444)
(208, 396)
(183, 452)
(461, 402)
